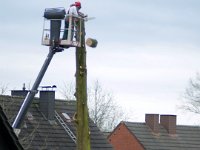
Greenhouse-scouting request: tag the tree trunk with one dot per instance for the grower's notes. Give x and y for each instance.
(91, 42)
(83, 135)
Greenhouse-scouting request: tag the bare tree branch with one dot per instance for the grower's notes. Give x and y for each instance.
(3, 88)
(103, 108)
(191, 96)
(68, 91)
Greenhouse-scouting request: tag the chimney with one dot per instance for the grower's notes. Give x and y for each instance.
(22, 92)
(152, 120)
(169, 123)
(47, 104)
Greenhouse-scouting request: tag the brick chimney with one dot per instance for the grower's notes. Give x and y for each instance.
(47, 104)
(169, 123)
(152, 120)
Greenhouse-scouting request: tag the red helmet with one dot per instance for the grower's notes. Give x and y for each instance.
(78, 4)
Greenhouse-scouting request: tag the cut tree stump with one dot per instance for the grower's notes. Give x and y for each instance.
(91, 42)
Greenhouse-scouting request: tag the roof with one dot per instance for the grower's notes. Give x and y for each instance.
(7, 136)
(37, 132)
(187, 137)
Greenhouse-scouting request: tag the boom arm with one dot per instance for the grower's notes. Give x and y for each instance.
(29, 97)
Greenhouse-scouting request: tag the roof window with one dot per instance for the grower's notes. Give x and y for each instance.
(67, 117)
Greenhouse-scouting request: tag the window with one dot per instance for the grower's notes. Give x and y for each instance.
(66, 116)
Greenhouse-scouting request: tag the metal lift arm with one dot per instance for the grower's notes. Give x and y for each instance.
(29, 97)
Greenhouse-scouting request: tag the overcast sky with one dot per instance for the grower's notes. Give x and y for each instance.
(147, 51)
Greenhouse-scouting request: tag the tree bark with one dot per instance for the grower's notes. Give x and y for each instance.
(83, 135)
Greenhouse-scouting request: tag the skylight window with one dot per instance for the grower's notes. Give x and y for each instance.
(67, 117)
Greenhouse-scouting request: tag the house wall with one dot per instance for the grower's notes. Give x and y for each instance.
(122, 139)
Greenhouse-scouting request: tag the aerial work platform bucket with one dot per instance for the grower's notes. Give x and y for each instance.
(54, 31)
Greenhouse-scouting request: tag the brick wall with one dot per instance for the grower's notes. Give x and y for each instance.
(122, 139)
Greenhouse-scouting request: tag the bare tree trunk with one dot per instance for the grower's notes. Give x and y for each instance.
(83, 135)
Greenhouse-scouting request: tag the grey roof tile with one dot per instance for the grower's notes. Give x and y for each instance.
(37, 131)
(187, 137)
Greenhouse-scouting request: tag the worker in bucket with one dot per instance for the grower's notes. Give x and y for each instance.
(74, 11)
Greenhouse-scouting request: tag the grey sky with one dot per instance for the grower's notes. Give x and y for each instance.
(148, 49)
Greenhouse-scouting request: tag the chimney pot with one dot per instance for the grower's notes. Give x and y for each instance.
(152, 120)
(24, 87)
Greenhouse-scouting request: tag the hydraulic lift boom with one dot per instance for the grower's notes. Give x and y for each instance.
(55, 16)
(28, 100)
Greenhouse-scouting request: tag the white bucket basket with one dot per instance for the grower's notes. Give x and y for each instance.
(73, 38)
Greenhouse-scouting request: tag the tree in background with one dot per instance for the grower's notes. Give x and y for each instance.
(3, 88)
(103, 108)
(192, 96)
(68, 91)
